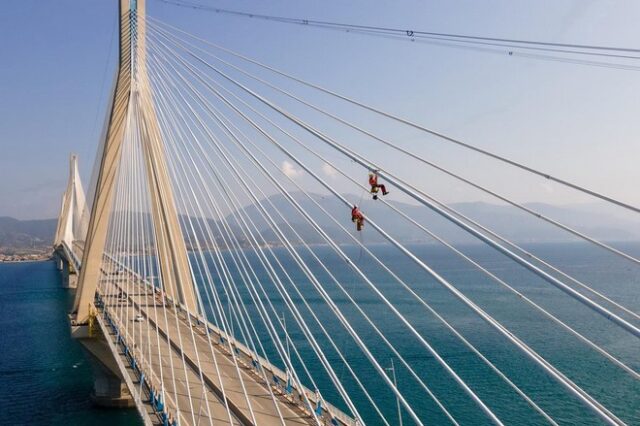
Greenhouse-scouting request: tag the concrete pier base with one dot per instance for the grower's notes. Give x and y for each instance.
(69, 276)
(73, 281)
(110, 388)
(59, 262)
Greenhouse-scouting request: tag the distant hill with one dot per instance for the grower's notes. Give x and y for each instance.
(596, 220)
(20, 234)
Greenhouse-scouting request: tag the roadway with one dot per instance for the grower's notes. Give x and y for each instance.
(195, 364)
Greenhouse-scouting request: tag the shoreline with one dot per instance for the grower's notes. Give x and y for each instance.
(48, 259)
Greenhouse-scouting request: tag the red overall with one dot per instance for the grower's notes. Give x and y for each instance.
(373, 181)
(357, 217)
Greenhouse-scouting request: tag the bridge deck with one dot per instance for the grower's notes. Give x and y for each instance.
(188, 392)
(171, 343)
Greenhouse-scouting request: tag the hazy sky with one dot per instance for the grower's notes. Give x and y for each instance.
(578, 122)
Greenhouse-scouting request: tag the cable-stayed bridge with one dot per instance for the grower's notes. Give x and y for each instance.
(201, 300)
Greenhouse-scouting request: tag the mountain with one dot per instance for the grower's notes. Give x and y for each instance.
(596, 220)
(19, 234)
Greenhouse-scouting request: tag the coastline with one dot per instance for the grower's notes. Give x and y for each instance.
(48, 259)
(34, 256)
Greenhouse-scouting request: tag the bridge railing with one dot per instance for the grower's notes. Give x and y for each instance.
(247, 357)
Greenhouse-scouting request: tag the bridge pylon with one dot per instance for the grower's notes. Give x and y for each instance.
(72, 224)
(132, 85)
(73, 219)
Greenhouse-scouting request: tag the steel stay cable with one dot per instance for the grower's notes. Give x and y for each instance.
(306, 169)
(133, 111)
(142, 270)
(198, 245)
(215, 362)
(153, 268)
(120, 222)
(602, 351)
(442, 319)
(189, 320)
(410, 123)
(235, 362)
(335, 280)
(412, 154)
(334, 378)
(302, 297)
(311, 276)
(138, 344)
(149, 267)
(205, 63)
(461, 382)
(437, 315)
(246, 313)
(136, 134)
(419, 195)
(546, 264)
(399, 31)
(254, 350)
(495, 47)
(598, 408)
(165, 307)
(263, 371)
(141, 360)
(534, 405)
(144, 95)
(273, 309)
(304, 329)
(124, 311)
(168, 136)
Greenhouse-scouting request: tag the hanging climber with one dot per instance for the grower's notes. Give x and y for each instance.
(373, 181)
(357, 217)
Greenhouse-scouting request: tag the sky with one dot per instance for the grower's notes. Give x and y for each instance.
(574, 121)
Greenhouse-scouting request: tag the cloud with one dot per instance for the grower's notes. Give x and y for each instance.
(547, 186)
(329, 170)
(290, 170)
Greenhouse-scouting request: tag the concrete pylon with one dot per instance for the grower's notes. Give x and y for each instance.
(74, 216)
(132, 85)
(72, 223)
(172, 251)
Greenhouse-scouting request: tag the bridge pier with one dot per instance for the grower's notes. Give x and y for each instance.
(66, 268)
(59, 262)
(69, 275)
(109, 387)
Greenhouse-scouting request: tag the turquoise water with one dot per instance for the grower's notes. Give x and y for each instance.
(44, 378)
(609, 384)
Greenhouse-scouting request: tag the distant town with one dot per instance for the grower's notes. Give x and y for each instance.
(12, 255)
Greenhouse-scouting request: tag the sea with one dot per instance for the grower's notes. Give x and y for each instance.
(46, 380)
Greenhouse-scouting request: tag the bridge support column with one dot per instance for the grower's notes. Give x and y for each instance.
(59, 262)
(109, 386)
(69, 276)
(109, 390)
